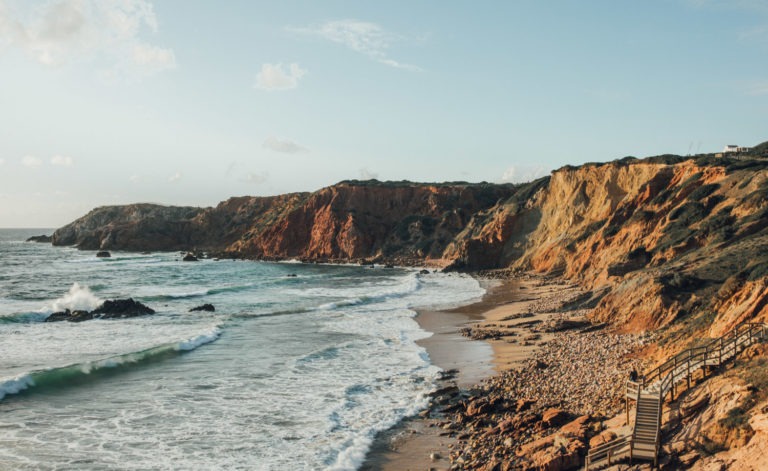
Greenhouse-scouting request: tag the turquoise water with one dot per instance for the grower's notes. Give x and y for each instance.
(288, 373)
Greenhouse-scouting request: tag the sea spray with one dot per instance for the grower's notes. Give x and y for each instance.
(78, 298)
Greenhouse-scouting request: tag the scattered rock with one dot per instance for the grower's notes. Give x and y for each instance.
(424, 272)
(204, 307)
(103, 254)
(190, 257)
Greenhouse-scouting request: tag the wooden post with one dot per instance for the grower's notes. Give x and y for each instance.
(720, 353)
(688, 369)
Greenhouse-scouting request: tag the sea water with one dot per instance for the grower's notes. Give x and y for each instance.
(289, 372)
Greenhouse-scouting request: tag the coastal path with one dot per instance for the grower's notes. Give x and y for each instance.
(651, 390)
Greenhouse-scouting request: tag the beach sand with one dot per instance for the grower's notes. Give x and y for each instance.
(509, 307)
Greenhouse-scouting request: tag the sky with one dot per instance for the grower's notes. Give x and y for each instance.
(189, 102)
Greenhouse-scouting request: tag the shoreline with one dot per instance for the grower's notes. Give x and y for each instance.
(419, 442)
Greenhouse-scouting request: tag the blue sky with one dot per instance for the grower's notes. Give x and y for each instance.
(189, 102)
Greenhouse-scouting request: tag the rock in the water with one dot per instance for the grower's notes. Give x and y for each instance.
(190, 257)
(204, 307)
(118, 308)
(424, 272)
(71, 316)
(112, 309)
(41, 238)
(103, 254)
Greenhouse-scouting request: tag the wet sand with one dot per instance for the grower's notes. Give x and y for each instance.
(413, 444)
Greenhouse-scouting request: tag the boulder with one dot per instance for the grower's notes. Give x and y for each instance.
(111, 309)
(46, 239)
(603, 437)
(577, 428)
(118, 308)
(554, 417)
(103, 254)
(204, 307)
(71, 316)
(190, 257)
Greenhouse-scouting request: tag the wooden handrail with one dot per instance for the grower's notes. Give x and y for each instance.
(679, 368)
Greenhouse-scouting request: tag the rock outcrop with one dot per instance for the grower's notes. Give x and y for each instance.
(111, 309)
(43, 239)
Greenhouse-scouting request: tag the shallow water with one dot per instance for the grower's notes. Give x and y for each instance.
(288, 373)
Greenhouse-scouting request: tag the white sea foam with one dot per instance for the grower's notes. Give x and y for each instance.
(78, 298)
(202, 339)
(15, 385)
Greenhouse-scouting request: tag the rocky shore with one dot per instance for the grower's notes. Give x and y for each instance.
(542, 409)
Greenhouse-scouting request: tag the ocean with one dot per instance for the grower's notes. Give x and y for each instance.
(290, 372)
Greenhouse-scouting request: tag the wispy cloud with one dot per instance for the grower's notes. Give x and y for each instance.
(274, 77)
(62, 161)
(134, 179)
(175, 177)
(105, 31)
(283, 145)
(31, 161)
(757, 88)
(256, 178)
(2, 162)
(364, 37)
(245, 173)
(524, 173)
(366, 174)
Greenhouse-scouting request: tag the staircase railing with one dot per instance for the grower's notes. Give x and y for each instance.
(678, 368)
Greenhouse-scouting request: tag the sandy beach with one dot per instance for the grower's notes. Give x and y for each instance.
(419, 443)
(498, 344)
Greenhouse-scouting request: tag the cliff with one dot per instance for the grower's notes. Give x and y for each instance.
(393, 221)
(664, 242)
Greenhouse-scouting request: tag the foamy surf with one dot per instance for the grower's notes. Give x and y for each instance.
(65, 375)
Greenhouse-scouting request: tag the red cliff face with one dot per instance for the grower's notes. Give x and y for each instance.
(349, 221)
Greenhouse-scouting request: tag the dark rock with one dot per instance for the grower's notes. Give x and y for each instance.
(71, 316)
(291, 275)
(112, 309)
(46, 239)
(424, 272)
(119, 308)
(189, 257)
(389, 265)
(103, 254)
(204, 307)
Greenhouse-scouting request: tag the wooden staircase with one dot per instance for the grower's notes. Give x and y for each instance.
(649, 394)
(645, 436)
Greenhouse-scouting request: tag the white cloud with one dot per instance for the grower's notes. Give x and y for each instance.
(275, 77)
(363, 37)
(110, 32)
(153, 57)
(758, 88)
(284, 146)
(31, 161)
(175, 177)
(524, 173)
(62, 161)
(256, 178)
(366, 174)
